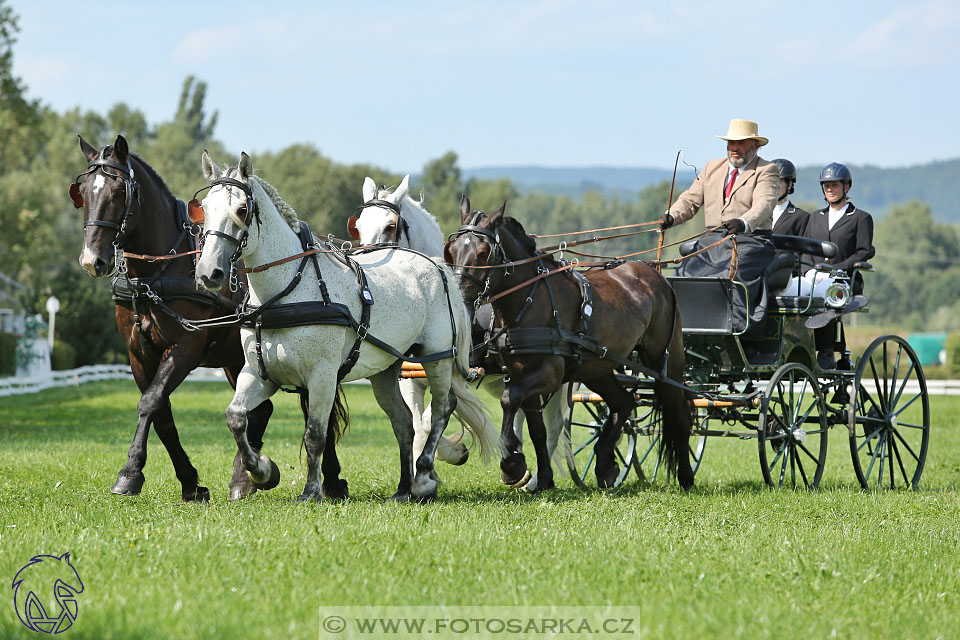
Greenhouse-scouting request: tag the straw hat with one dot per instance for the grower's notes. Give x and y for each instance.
(743, 130)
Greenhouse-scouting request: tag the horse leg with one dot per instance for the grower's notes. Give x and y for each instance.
(240, 484)
(442, 404)
(552, 415)
(451, 449)
(538, 436)
(513, 465)
(251, 392)
(677, 418)
(154, 409)
(334, 487)
(387, 393)
(621, 403)
(130, 478)
(316, 435)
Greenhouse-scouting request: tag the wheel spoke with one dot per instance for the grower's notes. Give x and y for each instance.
(593, 438)
(803, 391)
(783, 469)
(868, 438)
(803, 474)
(903, 386)
(873, 456)
(586, 467)
(880, 390)
(912, 400)
(862, 397)
(906, 445)
(807, 451)
(896, 452)
(911, 425)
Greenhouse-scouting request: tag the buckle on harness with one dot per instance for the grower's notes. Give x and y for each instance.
(366, 296)
(602, 353)
(362, 330)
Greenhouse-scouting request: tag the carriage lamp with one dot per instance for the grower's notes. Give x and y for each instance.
(837, 294)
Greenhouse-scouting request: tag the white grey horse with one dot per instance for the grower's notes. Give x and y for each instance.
(416, 306)
(415, 227)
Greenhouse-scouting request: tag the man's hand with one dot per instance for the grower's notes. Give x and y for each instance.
(666, 221)
(734, 226)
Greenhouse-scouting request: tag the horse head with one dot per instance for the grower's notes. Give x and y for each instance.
(109, 196)
(380, 219)
(475, 250)
(228, 211)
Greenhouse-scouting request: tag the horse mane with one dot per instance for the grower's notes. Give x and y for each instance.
(529, 244)
(286, 211)
(152, 174)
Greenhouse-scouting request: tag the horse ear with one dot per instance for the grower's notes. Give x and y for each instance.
(402, 190)
(245, 167)
(210, 169)
(464, 209)
(369, 189)
(120, 148)
(87, 150)
(496, 218)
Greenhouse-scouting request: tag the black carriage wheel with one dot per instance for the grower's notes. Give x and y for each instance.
(889, 416)
(581, 429)
(792, 432)
(649, 455)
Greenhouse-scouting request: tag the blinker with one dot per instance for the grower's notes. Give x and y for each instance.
(352, 228)
(195, 211)
(76, 196)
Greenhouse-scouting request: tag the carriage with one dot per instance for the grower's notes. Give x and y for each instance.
(773, 391)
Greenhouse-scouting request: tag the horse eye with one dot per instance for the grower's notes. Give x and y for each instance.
(242, 212)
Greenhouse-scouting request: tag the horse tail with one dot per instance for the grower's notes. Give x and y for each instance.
(339, 415)
(676, 411)
(470, 411)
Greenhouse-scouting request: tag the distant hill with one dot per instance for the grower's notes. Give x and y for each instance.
(874, 189)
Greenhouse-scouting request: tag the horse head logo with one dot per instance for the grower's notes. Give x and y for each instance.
(45, 593)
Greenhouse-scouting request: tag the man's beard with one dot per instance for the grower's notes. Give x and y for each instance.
(744, 160)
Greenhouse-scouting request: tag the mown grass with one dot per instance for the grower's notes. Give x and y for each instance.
(729, 559)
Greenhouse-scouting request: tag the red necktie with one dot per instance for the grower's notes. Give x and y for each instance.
(729, 189)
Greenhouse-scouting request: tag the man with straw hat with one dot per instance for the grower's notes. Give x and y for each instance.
(738, 192)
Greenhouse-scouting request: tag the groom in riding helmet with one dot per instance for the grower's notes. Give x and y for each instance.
(851, 229)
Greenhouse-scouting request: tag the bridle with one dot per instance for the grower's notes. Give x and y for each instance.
(132, 193)
(497, 254)
(195, 208)
(402, 227)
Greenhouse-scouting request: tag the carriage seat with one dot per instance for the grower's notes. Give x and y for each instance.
(779, 271)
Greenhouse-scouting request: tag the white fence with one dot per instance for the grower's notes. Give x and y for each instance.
(90, 373)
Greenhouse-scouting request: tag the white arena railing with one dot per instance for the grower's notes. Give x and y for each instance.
(73, 377)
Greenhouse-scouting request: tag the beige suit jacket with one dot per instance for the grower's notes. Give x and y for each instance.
(754, 195)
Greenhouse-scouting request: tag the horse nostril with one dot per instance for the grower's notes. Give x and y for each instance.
(216, 275)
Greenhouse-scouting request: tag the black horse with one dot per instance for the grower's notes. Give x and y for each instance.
(129, 213)
(571, 327)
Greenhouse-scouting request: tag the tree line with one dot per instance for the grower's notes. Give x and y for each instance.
(918, 259)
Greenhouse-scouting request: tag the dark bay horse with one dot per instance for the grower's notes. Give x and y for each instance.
(128, 208)
(632, 309)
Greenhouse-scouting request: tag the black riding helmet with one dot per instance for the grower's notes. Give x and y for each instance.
(836, 172)
(787, 172)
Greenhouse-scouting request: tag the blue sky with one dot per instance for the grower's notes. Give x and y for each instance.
(552, 83)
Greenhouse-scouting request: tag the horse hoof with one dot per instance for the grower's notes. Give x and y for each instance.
(463, 460)
(198, 494)
(534, 487)
(274, 478)
(128, 485)
(400, 497)
(336, 490)
(308, 496)
(608, 480)
(522, 482)
(241, 491)
(427, 498)
(513, 470)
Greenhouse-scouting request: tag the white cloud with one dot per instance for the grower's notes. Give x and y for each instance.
(915, 35)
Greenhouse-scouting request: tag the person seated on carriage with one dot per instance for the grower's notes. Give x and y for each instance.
(737, 194)
(851, 229)
(788, 219)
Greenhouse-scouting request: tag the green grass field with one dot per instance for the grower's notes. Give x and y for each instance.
(729, 559)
